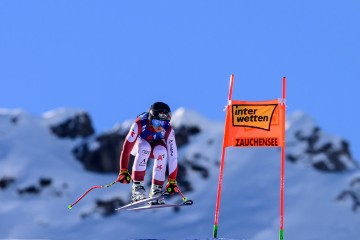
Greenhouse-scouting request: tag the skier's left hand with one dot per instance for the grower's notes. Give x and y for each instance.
(171, 186)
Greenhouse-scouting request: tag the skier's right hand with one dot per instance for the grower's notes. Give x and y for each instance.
(124, 176)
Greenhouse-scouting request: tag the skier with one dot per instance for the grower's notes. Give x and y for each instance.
(150, 136)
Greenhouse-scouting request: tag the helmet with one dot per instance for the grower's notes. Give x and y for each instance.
(159, 110)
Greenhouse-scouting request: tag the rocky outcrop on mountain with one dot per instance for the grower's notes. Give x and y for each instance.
(6, 181)
(35, 188)
(101, 154)
(352, 193)
(323, 155)
(183, 133)
(31, 189)
(310, 145)
(79, 125)
(107, 207)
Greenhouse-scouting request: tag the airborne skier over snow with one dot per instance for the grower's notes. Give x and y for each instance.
(150, 136)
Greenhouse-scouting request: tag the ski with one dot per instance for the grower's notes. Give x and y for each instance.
(142, 202)
(186, 203)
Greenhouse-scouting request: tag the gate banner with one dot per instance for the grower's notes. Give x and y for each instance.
(254, 124)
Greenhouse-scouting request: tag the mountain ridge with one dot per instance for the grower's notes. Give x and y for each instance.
(39, 169)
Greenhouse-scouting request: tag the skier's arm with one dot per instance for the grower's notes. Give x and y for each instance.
(128, 145)
(172, 154)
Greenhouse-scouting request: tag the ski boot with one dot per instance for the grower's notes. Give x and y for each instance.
(155, 191)
(138, 191)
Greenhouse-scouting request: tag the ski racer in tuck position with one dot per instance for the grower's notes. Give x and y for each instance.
(150, 136)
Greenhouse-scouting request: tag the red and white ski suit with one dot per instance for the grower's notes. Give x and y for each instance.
(144, 142)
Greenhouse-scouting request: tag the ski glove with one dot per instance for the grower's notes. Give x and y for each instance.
(124, 176)
(171, 186)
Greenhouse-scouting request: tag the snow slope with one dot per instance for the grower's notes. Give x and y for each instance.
(30, 154)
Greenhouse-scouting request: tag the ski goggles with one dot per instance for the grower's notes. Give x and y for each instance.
(160, 114)
(158, 122)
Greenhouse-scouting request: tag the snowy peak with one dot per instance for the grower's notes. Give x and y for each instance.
(186, 117)
(60, 115)
(299, 121)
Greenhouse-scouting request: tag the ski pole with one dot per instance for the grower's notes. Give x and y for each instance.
(182, 195)
(103, 186)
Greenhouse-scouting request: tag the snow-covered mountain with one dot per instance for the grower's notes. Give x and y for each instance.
(47, 162)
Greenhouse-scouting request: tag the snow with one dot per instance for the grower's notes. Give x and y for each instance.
(250, 196)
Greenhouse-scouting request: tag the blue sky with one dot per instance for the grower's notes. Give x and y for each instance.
(115, 58)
